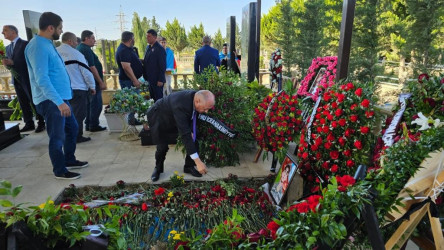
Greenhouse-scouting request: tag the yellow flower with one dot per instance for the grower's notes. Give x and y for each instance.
(172, 233)
(176, 237)
(41, 206)
(176, 173)
(170, 194)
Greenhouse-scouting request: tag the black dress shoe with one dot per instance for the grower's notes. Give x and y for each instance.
(40, 128)
(96, 129)
(156, 174)
(28, 127)
(191, 170)
(83, 139)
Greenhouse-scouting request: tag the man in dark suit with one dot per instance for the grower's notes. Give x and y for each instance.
(20, 78)
(154, 65)
(206, 57)
(179, 111)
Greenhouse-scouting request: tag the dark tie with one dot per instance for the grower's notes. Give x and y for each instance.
(12, 48)
(194, 125)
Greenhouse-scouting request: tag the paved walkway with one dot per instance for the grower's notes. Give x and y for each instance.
(27, 163)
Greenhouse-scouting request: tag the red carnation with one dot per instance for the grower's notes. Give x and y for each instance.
(341, 141)
(353, 106)
(358, 92)
(365, 103)
(347, 152)
(334, 168)
(350, 86)
(342, 122)
(273, 227)
(350, 163)
(313, 202)
(358, 144)
(144, 206)
(159, 191)
(341, 97)
(353, 118)
(365, 129)
(303, 207)
(335, 105)
(369, 114)
(346, 180)
(338, 112)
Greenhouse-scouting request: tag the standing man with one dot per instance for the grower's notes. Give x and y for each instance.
(179, 111)
(95, 103)
(206, 57)
(51, 91)
(224, 57)
(16, 61)
(170, 67)
(154, 65)
(130, 67)
(82, 80)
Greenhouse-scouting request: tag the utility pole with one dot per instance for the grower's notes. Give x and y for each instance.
(121, 20)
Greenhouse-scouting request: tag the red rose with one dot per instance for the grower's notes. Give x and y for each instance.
(342, 122)
(369, 114)
(304, 155)
(313, 202)
(358, 92)
(334, 155)
(334, 168)
(422, 76)
(347, 152)
(353, 106)
(273, 227)
(358, 144)
(350, 86)
(350, 163)
(341, 97)
(365, 103)
(341, 141)
(334, 124)
(338, 112)
(303, 207)
(365, 129)
(327, 145)
(346, 180)
(335, 105)
(144, 206)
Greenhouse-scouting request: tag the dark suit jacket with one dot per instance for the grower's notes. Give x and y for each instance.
(171, 112)
(154, 64)
(18, 57)
(205, 57)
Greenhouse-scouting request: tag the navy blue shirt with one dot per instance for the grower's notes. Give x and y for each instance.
(205, 57)
(128, 55)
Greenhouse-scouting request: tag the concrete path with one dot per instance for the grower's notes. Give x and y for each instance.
(27, 163)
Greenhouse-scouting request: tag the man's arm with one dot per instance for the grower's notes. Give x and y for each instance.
(129, 72)
(196, 63)
(97, 77)
(162, 67)
(87, 75)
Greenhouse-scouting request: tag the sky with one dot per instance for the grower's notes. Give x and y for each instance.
(102, 16)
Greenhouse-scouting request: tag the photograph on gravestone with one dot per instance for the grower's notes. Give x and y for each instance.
(31, 23)
(283, 179)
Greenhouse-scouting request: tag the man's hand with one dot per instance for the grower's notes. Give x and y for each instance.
(137, 84)
(102, 85)
(201, 167)
(159, 84)
(7, 62)
(65, 111)
(92, 91)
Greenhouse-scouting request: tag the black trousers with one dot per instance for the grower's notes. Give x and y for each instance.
(79, 103)
(24, 96)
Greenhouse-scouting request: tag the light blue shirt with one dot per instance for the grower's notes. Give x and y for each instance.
(81, 78)
(47, 74)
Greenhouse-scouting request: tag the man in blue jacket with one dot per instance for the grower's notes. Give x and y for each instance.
(206, 57)
(154, 65)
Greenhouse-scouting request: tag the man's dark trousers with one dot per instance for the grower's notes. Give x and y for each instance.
(62, 132)
(25, 99)
(94, 108)
(79, 103)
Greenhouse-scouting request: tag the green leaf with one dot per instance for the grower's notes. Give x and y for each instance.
(16, 191)
(58, 228)
(6, 203)
(6, 184)
(4, 191)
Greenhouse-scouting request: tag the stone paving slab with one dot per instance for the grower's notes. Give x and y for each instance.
(27, 163)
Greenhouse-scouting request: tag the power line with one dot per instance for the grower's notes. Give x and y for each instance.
(121, 20)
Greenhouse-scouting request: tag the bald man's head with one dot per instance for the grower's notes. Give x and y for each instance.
(204, 100)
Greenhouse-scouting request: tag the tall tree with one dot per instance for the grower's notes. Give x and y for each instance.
(139, 34)
(195, 36)
(218, 40)
(238, 37)
(331, 23)
(155, 26)
(286, 35)
(364, 49)
(175, 35)
(269, 24)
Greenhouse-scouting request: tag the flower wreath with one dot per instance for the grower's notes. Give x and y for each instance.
(275, 67)
(340, 137)
(328, 79)
(276, 122)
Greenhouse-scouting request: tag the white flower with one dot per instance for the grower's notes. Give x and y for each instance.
(425, 121)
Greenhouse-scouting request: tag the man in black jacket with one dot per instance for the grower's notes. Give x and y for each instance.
(16, 61)
(179, 111)
(154, 65)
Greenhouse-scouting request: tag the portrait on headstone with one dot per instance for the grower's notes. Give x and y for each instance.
(283, 180)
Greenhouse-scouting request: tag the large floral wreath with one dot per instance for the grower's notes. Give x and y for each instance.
(275, 67)
(339, 138)
(276, 122)
(328, 79)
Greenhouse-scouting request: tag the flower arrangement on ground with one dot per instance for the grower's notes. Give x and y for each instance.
(276, 122)
(232, 108)
(129, 100)
(339, 138)
(328, 78)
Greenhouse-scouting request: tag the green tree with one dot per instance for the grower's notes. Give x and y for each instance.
(155, 26)
(286, 35)
(237, 39)
(139, 34)
(175, 35)
(195, 36)
(218, 40)
(331, 23)
(269, 28)
(364, 49)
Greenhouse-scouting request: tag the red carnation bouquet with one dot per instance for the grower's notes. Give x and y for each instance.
(327, 80)
(339, 138)
(276, 122)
